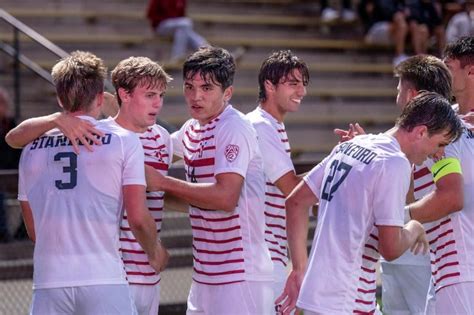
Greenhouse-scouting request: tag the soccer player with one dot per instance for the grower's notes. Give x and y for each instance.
(406, 280)
(72, 204)
(361, 184)
(451, 205)
(282, 83)
(140, 86)
(225, 189)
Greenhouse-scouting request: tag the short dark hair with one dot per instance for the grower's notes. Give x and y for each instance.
(462, 50)
(213, 63)
(279, 65)
(433, 111)
(427, 73)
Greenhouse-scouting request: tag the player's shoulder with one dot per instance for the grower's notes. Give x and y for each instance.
(386, 148)
(159, 130)
(233, 118)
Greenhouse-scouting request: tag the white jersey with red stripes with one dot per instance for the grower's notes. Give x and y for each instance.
(275, 147)
(157, 145)
(77, 204)
(228, 247)
(452, 237)
(362, 184)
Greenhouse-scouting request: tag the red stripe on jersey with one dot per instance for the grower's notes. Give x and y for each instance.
(150, 138)
(434, 228)
(281, 130)
(441, 235)
(444, 245)
(155, 209)
(279, 260)
(205, 240)
(194, 216)
(157, 165)
(276, 251)
(271, 242)
(129, 240)
(288, 150)
(274, 195)
(137, 273)
(423, 186)
(232, 228)
(369, 258)
(449, 275)
(191, 150)
(215, 263)
(284, 140)
(280, 237)
(199, 163)
(450, 264)
(368, 270)
(145, 147)
(454, 252)
(366, 291)
(363, 302)
(193, 140)
(366, 281)
(154, 197)
(363, 312)
(274, 216)
(269, 184)
(277, 226)
(134, 262)
(374, 237)
(420, 173)
(222, 273)
(274, 205)
(141, 283)
(206, 129)
(218, 252)
(372, 247)
(132, 251)
(218, 283)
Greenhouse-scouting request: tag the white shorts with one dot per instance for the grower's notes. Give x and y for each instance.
(404, 288)
(379, 33)
(146, 297)
(455, 299)
(248, 297)
(93, 299)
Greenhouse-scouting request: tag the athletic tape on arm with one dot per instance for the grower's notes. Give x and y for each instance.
(445, 167)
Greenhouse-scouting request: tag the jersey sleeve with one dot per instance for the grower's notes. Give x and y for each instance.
(315, 177)
(453, 150)
(236, 144)
(390, 191)
(276, 161)
(133, 172)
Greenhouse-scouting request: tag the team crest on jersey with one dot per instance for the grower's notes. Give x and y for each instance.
(231, 152)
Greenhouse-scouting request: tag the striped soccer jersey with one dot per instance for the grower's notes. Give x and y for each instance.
(228, 247)
(276, 154)
(451, 238)
(158, 149)
(77, 204)
(361, 184)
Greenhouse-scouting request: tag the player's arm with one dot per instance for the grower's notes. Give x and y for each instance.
(297, 204)
(448, 197)
(143, 226)
(75, 129)
(394, 240)
(221, 195)
(28, 219)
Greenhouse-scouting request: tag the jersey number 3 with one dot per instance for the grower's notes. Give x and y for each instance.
(337, 173)
(71, 169)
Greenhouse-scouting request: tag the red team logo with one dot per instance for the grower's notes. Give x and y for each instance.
(231, 152)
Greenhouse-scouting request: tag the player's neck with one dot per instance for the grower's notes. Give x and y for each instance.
(466, 101)
(125, 123)
(403, 140)
(273, 111)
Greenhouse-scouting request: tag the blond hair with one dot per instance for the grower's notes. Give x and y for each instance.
(79, 78)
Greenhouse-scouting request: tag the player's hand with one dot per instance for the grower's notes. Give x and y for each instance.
(78, 131)
(421, 245)
(286, 302)
(346, 135)
(154, 179)
(159, 261)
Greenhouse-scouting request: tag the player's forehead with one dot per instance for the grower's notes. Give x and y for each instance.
(293, 75)
(201, 79)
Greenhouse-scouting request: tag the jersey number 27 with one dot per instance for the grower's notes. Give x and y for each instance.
(337, 173)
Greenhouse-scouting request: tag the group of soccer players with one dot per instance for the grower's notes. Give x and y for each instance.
(247, 205)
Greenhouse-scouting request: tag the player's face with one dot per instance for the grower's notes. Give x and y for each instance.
(431, 147)
(289, 92)
(405, 93)
(145, 103)
(205, 99)
(459, 75)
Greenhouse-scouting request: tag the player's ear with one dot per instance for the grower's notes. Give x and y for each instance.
(124, 94)
(228, 93)
(269, 86)
(420, 132)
